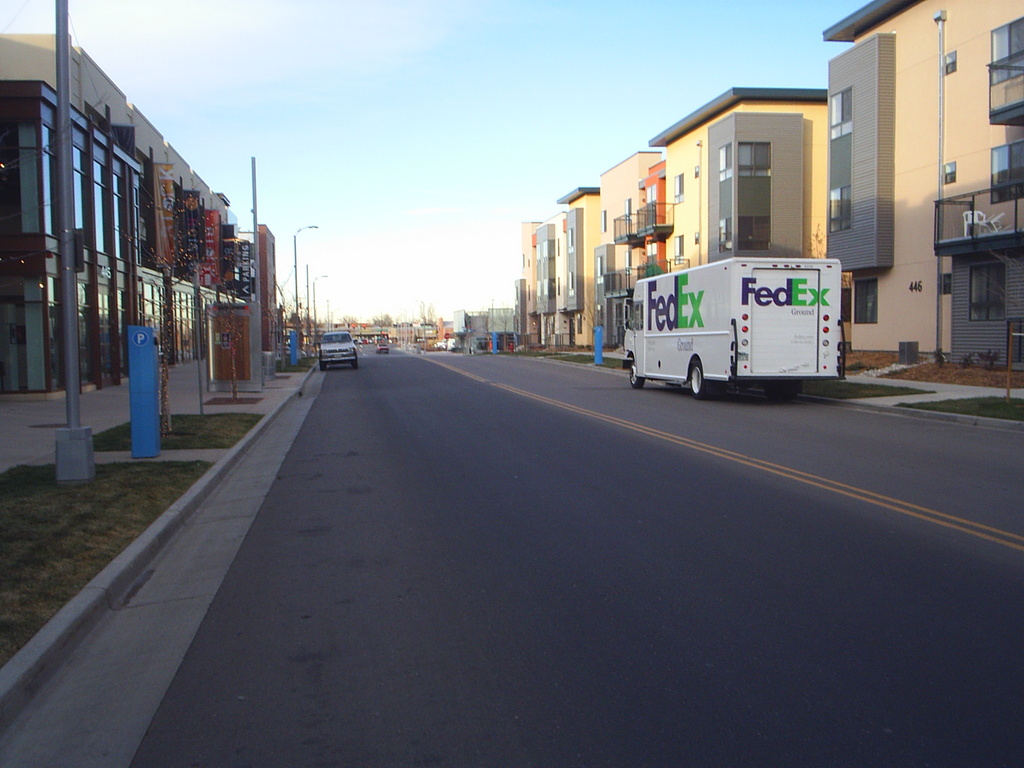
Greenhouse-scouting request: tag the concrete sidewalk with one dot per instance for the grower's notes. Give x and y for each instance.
(29, 427)
(83, 690)
(934, 392)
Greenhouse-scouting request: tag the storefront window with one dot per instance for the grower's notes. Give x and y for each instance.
(22, 361)
(21, 204)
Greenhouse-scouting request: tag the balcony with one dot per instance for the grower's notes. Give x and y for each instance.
(654, 220)
(972, 223)
(619, 284)
(625, 231)
(1006, 91)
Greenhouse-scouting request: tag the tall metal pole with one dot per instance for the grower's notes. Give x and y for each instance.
(940, 19)
(295, 254)
(75, 461)
(316, 322)
(256, 316)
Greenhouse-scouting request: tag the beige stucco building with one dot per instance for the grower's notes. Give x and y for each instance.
(746, 174)
(617, 258)
(927, 171)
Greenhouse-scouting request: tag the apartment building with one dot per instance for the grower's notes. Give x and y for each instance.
(147, 222)
(926, 171)
(745, 175)
(575, 275)
(526, 322)
(620, 254)
(549, 241)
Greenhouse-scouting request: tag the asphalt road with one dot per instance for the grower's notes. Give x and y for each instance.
(488, 561)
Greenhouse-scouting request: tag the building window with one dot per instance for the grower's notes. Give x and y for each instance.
(949, 172)
(20, 200)
(865, 306)
(677, 250)
(1007, 41)
(754, 191)
(679, 188)
(840, 209)
(988, 292)
(725, 162)
(950, 63)
(947, 283)
(754, 159)
(841, 113)
(99, 198)
(604, 221)
(1008, 172)
(755, 233)
(725, 234)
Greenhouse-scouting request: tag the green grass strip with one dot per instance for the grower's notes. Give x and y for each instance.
(55, 538)
(188, 432)
(846, 390)
(986, 407)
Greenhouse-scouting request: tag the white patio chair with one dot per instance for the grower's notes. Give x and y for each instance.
(971, 218)
(994, 224)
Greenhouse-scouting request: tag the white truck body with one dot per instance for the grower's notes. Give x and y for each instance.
(758, 322)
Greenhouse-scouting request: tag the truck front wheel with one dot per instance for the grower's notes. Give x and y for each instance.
(701, 388)
(636, 381)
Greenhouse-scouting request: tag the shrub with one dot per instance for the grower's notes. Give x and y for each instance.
(989, 359)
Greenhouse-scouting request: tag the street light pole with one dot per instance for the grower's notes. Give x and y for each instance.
(295, 255)
(74, 458)
(316, 324)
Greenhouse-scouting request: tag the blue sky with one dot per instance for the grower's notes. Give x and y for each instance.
(418, 134)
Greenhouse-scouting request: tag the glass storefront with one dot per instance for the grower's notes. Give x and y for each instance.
(22, 335)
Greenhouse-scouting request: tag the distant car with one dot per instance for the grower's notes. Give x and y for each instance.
(336, 348)
(383, 348)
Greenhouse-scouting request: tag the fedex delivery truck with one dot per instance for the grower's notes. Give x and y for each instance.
(758, 322)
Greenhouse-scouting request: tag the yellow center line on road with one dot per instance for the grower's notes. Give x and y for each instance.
(979, 530)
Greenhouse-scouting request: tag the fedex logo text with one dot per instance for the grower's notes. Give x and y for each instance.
(675, 309)
(794, 293)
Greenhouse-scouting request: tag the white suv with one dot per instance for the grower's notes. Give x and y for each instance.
(337, 347)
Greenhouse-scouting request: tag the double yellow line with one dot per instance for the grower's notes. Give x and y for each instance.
(971, 528)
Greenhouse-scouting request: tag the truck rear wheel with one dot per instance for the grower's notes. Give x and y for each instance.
(636, 381)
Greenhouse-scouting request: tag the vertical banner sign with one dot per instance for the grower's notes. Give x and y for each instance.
(165, 214)
(193, 237)
(227, 262)
(209, 271)
(245, 270)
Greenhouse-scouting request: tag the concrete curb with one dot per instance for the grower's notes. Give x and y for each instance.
(892, 410)
(917, 413)
(25, 672)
